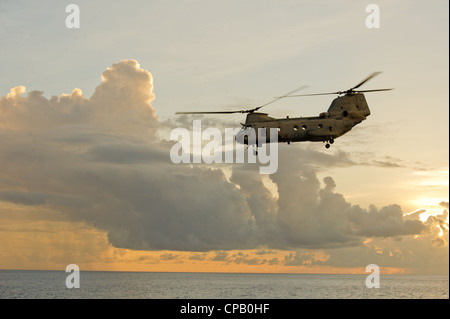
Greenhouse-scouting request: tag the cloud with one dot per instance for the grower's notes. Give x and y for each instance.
(220, 256)
(101, 160)
(301, 259)
(444, 204)
(241, 258)
(168, 256)
(386, 222)
(264, 252)
(273, 261)
(197, 256)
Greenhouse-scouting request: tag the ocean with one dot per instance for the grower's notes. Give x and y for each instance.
(27, 284)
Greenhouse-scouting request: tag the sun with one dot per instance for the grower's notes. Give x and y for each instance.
(432, 206)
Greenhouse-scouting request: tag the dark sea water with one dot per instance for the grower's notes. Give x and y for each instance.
(137, 285)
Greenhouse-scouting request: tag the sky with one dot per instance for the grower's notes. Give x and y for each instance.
(86, 114)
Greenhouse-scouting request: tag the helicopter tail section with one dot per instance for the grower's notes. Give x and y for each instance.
(361, 104)
(350, 105)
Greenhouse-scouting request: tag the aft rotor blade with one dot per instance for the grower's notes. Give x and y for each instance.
(332, 93)
(349, 91)
(364, 81)
(280, 97)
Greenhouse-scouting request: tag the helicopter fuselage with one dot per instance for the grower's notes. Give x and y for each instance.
(343, 114)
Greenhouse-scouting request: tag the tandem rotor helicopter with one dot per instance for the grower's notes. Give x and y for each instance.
(347, 110)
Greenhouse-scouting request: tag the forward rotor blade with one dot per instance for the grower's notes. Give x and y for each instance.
(243, 111)
(364, 81)
(280, 97)
(330, 93)
(207, 112)
(375, 90)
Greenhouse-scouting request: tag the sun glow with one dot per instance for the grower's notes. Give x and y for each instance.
(430, 206)
(441, 231)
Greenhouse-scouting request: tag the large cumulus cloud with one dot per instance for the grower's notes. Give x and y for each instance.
(101, 160)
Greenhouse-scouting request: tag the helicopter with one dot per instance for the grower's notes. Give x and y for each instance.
(346, 111)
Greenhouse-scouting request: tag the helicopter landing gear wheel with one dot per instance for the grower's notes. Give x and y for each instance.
(331, 141)
(255, 150)
(327, 145)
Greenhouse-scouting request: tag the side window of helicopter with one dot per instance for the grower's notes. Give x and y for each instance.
(304, 127)
(345, 113)
(295, 128)
(320, 125)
